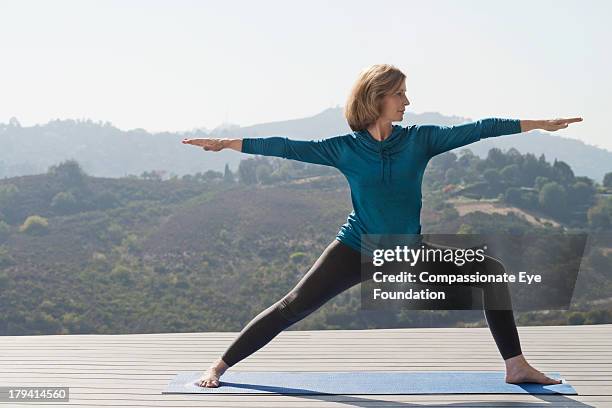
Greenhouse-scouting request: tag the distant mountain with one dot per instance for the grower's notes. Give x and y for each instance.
(106, 151)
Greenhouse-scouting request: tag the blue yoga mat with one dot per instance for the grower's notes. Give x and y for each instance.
(363, 382)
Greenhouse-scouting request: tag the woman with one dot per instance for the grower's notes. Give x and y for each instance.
(384, 165)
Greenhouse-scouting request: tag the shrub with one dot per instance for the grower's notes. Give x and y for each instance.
(8, 193)
(576, 318)
(35, 224)
(297, 257)
(64, 202)
(122, 274)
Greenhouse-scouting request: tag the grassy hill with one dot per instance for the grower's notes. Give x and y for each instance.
(80, 254)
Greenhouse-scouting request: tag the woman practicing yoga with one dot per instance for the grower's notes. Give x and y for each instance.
(384, 166)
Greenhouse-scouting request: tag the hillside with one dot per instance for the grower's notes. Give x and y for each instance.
(81, 254)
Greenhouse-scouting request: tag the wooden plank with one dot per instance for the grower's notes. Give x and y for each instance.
(297, 335)
(157, 364)
(136, 372)
(442, 339)
(132, 369)
(101, 379)
(311, 363)
(489, 351)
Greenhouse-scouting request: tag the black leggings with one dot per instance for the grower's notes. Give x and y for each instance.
(338, 269)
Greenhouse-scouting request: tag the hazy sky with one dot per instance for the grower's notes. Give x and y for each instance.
(178, 65)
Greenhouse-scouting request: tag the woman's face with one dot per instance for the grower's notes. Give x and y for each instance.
(394, 104)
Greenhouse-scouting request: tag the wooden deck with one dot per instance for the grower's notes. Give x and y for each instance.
(132, 370)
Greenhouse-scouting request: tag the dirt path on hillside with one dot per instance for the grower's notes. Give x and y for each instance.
(465, 207)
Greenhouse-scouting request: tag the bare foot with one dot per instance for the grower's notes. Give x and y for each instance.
(519, 371)
(210, 378)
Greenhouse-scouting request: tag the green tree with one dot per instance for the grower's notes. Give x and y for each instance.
(530, 169)
(228, 176)
(6, 259)
(540, 181)
(263, 171)
(246, 171)
(8, 194)
(496, 158)
(69, 173)
(513, 196)
(563, 172)
(150, 175)
(553, 199)
(580, 193)
(511, 174)
(600, 215)
(64, 202)
(106, 199)
(607, 180)
(451, 176)
(492, 177)
(122, 274)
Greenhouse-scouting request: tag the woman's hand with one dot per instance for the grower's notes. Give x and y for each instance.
(556, 124)
(207, 144)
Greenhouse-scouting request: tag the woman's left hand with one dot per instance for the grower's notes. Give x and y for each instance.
(556, 124)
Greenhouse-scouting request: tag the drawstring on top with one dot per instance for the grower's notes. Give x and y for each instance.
(384, 155)
(383, 149)
(382, 166)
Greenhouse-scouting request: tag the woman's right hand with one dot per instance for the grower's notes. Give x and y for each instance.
(207, 144)
(555, 124)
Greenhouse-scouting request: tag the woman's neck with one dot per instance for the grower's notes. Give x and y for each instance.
(380, 130)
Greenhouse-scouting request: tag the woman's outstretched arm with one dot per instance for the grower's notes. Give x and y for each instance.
(440, 139)
(323, 151)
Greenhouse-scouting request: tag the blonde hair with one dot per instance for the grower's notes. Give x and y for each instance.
(364, 102)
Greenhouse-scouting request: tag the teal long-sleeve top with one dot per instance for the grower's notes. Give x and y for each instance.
(384, 177)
